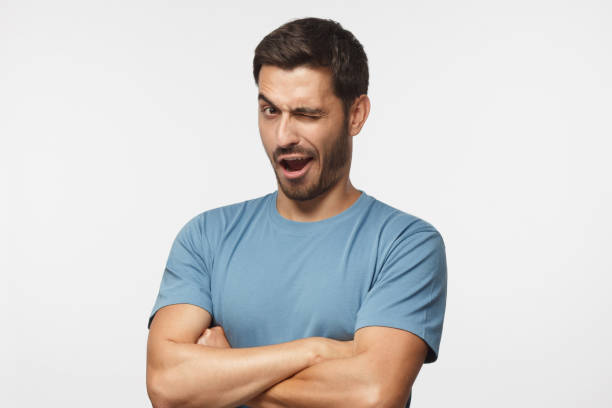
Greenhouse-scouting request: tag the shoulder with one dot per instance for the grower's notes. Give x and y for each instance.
(397, 225)
(213, 223)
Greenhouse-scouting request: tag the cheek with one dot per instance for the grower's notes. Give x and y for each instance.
(317, 136)
(324, 140)
(261, 128)
(266, 140)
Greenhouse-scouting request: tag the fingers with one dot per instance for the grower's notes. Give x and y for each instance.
(205, 337)
(214, 337)
(213, 330)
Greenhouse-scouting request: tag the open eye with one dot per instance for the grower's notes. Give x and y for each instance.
(269, 110)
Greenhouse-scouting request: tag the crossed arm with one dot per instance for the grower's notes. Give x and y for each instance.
(377, 368)
(386, 361)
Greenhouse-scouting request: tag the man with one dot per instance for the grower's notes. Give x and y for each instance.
(316, 295)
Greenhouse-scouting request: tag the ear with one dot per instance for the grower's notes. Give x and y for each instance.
(358, 114)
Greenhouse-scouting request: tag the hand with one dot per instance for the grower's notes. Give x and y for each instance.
(214, 337)
(324, 349)
(329, 349)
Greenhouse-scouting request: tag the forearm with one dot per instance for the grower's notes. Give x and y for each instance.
(332, 383)
(193, 375)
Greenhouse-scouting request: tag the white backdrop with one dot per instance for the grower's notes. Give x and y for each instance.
(121, 120)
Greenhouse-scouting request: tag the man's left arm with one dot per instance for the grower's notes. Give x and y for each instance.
(380, 374)
(399, 325)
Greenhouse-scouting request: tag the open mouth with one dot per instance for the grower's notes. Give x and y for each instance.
(295, 164)
(294, 168)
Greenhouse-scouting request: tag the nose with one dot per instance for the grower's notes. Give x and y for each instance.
(286, 134)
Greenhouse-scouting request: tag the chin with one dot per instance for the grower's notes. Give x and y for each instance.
(299, 192)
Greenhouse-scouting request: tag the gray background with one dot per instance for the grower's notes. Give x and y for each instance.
(120, 120)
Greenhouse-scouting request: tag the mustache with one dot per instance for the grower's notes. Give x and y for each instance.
(281, 151)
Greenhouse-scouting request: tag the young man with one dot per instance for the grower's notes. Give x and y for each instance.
(316, 295)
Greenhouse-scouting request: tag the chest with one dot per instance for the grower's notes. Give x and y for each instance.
(282, 289)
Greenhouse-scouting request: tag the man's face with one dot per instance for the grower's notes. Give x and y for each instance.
(301, 117)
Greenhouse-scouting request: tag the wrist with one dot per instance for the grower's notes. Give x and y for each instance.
(313, 348)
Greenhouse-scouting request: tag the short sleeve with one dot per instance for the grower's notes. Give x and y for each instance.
(186, 278)
(409, 292)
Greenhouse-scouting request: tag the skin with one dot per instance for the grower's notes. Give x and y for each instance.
(378, 349)
(214, 337)
(182, 373)
(300, 114)
(190, 364)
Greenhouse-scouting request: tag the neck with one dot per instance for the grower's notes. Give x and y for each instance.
(329, 204)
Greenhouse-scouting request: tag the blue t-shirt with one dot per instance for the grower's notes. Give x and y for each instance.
(267, 279)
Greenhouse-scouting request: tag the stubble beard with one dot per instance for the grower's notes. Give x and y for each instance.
(331, 171)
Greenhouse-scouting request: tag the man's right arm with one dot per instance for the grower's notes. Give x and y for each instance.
(181, 373)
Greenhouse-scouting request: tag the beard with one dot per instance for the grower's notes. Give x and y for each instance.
(332, 170)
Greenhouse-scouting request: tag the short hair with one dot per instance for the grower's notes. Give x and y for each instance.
(317, 42)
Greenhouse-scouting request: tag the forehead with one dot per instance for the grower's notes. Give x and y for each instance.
(300, 86)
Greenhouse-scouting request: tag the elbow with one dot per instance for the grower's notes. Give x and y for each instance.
(371, 397)
(165, 392)
(159, 389)
(156, 389)
(379, 397)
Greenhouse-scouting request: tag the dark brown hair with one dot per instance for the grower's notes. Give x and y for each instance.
(318, 43)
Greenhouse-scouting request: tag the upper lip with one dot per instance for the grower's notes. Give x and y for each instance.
(293, 156)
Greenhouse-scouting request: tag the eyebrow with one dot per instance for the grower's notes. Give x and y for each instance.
(298, 110)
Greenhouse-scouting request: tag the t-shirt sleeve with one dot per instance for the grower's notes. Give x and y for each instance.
(409, 292)
(186, 278)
